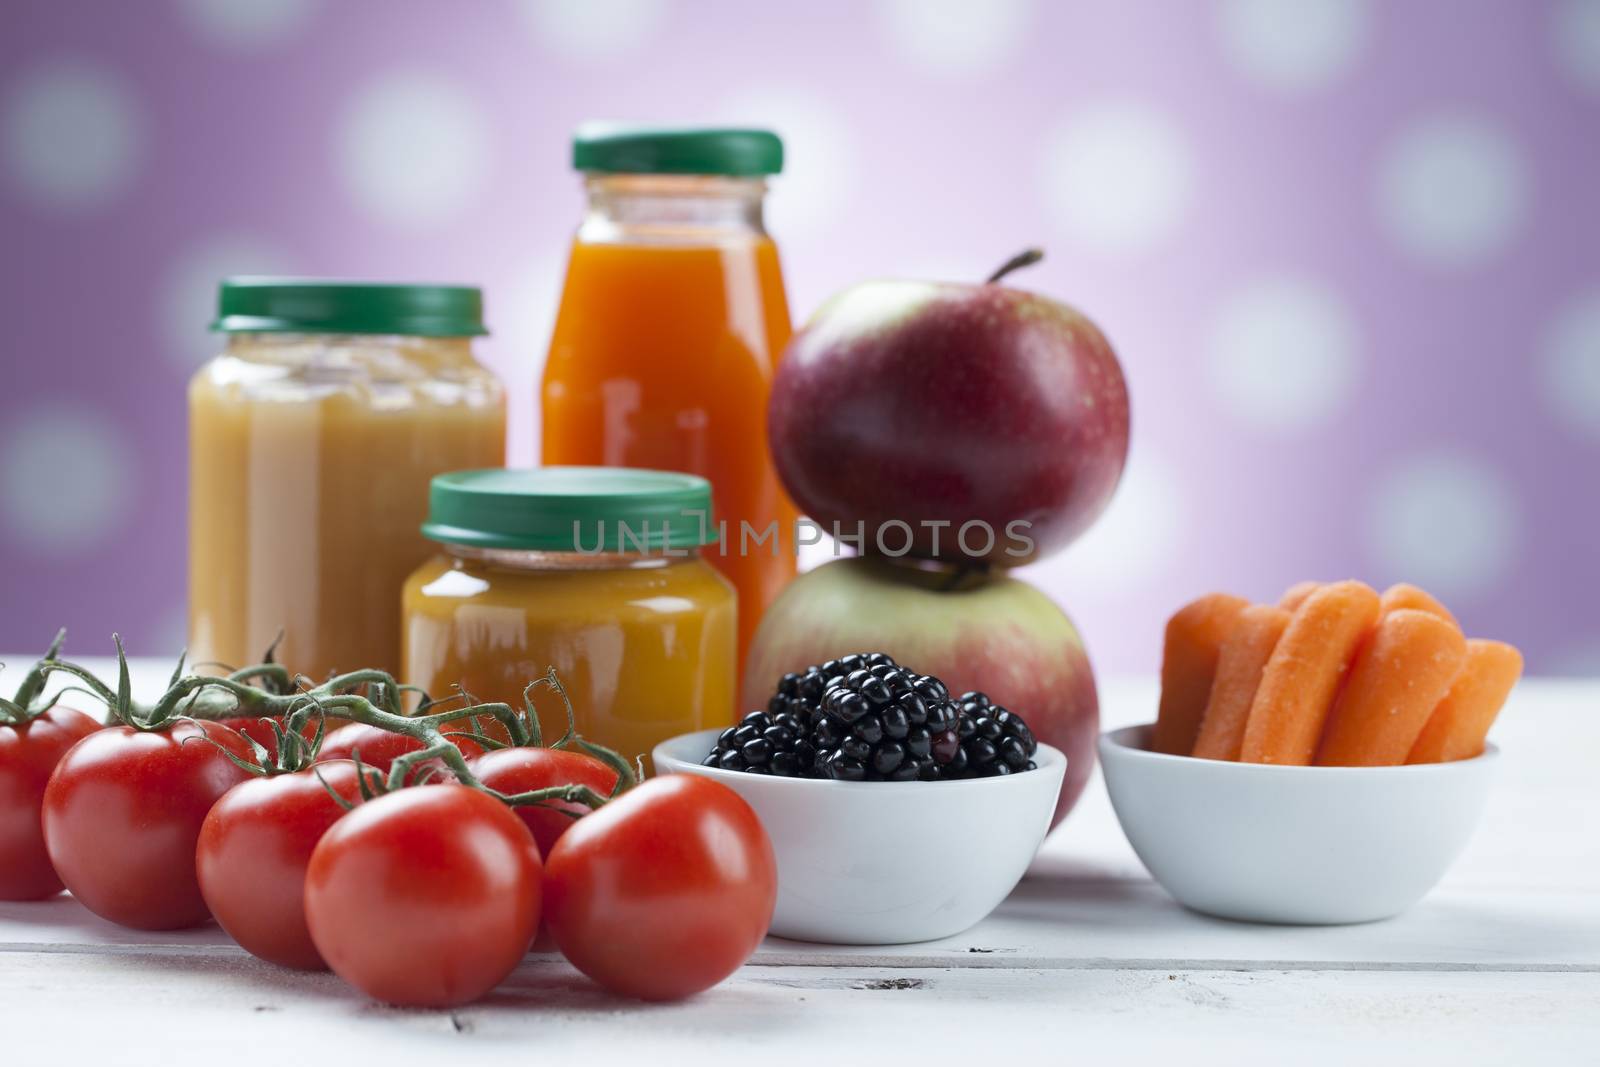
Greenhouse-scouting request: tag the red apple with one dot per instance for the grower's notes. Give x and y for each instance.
(992, 633)
(918, 408)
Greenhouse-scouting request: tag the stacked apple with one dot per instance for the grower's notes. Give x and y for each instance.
(948, 433)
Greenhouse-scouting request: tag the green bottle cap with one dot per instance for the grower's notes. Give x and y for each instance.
(314, 305)
(571, 509)
(735, 152)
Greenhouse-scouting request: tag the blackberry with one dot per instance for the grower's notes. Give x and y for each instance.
(883, 722)
(994, 741)
(864, 717)
(790, 724)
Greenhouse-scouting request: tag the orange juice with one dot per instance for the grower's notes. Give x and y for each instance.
(671, 324)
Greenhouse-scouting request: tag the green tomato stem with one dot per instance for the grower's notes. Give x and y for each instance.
(206, 697)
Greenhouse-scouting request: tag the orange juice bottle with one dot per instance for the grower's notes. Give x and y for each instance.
(671, 325)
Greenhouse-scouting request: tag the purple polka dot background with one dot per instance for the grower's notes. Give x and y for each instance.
(1349, 253)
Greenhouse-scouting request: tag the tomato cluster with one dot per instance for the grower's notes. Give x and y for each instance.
(426, 891)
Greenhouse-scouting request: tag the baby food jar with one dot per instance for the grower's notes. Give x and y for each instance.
(312, 439)
(672, 320)
(594, 571)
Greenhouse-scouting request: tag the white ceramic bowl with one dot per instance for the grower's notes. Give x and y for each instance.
(1313, 845)
(884, 863)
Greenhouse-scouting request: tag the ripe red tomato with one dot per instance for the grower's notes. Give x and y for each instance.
(522, 770)
(425, 897)
(122, 812)
(663, 892)
(28, 753)
(252, 855)
(379, 748)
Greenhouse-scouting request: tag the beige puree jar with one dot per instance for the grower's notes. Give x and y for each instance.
(312, 440)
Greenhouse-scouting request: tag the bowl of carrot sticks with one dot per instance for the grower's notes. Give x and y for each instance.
(1322, 759)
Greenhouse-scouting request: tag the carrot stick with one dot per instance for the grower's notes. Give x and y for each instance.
(1296, 595)
(1458, 726)
(1188, 663)
(1399, 677)
(1239, 665)
(1405, 595)
(1303, 675)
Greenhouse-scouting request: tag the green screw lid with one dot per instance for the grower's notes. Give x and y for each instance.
(571, 509)
(314, 305)
(732, 151)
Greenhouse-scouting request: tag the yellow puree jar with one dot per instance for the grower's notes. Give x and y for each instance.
(595, 571)
(312, 439)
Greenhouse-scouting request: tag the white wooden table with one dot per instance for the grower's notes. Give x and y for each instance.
(1087, 960)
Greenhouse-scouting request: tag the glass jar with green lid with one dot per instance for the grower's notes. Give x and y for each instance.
(595, 571)
(312, 440)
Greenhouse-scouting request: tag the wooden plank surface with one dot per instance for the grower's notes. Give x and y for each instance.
(1088, 956)
(163, 1010)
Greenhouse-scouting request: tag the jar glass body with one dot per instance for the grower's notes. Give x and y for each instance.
(644, 643)
(672, 321)
(309, 462)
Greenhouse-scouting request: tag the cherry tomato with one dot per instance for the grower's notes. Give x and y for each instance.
(379, 748)
(522, 770)
(252, 855)
(28, 753)
(426, 897)
(663, 892)
(122, 813)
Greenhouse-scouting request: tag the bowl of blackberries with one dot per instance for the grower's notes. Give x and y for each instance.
(898, 811)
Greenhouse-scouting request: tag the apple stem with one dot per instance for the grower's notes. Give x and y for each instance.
(1026, 258)
(959, 576)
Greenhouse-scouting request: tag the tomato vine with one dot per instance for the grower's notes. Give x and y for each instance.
(372, 697)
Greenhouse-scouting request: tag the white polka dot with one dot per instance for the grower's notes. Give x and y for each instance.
(66, 480)
(1284, 354)
(1575, 36)
(956, 36)
(414, 149)
(74, 136)
(189, 291)
(1135, 542)
(816, 157)
(595, 29)
(1292, 46)
(1452, 190)
(1571, 359)
(1117, 177)
(246, 24)
(1446, 523)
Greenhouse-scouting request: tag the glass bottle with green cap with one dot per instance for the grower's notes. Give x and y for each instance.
(312, 439)
(596, 571)
(672, 321)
